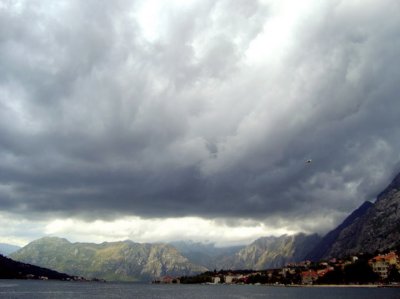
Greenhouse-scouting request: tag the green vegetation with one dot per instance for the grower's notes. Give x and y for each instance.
(10, 269)
(357, 273)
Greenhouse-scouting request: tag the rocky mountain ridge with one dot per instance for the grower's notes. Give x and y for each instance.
(272, 252)
(372, 227)
(323, 248)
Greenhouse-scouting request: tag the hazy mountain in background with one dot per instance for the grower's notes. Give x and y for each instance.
(205, 254)
(6, 249)
(372, 227)
(122, 261)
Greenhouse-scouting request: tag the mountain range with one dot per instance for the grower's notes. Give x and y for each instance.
(370, 228)
(122, 261)
(129, 261)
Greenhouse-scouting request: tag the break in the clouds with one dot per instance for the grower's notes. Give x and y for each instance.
(204, 109)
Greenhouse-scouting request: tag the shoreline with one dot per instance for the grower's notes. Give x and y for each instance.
(345, 286)
(341, 286)
(316, 285)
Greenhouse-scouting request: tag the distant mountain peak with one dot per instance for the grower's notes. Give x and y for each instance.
(52, 239)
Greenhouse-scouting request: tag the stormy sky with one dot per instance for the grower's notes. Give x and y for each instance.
(157, 120)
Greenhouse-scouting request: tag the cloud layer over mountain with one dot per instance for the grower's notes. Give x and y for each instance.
(198, 108)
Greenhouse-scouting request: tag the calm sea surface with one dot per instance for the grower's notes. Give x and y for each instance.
(51, 289)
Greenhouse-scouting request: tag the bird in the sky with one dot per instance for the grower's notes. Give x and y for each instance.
(308, 161)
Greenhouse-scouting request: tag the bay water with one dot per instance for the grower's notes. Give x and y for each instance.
(33, 289)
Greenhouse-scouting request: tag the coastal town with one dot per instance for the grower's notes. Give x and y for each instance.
(361, 269)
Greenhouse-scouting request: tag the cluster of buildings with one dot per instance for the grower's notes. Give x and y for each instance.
(74, 278)
(305, 272)
(311, 274)
(31, 276)
(380, 264)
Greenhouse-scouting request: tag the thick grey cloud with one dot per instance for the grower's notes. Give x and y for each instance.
(206, 108)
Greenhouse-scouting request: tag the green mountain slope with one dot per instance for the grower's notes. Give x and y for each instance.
(122, 261)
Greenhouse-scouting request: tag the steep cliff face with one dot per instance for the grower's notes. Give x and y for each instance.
(272, 252)
(124, 261)
(324, 247)
(377, 227)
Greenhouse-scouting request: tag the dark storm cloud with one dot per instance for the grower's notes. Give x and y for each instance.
(98, 118)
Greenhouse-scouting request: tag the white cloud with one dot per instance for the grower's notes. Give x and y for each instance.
(16, 230)
(162, 230)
